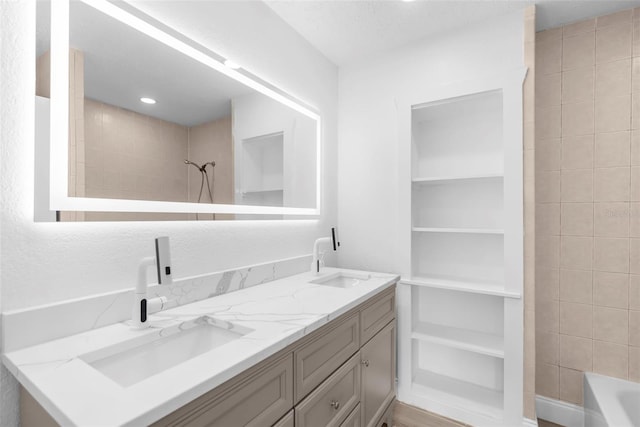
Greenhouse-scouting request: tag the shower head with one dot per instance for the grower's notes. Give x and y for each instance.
(204, 166)
(188, 162)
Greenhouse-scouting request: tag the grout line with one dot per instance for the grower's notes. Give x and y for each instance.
(562, 71)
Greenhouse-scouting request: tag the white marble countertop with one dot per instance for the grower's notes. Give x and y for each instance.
(278, 312)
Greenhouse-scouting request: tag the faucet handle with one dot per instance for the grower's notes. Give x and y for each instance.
(163, 261)
(334, 238)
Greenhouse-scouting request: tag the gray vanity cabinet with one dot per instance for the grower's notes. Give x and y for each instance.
(378, 361)
(257, 399)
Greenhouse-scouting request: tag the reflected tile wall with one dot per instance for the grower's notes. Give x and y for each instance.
(133, 156)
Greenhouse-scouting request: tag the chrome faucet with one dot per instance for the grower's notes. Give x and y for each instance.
(316, 263)
(142, 306)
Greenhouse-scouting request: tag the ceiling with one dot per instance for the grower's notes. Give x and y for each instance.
(347, 31)
(121, 65)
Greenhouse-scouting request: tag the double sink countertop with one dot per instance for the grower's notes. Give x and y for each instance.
(118, 376)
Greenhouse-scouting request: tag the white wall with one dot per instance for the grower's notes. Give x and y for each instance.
(368, 162)
(44, 262)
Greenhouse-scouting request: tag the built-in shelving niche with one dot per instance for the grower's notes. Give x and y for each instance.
(459, 257)
(472, 203)
(461, 320)
(457, 341)
(460, 334)
(437, 376)
(263, 170)
(460, 137)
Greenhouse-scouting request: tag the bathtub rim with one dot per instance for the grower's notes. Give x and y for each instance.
(609, 406)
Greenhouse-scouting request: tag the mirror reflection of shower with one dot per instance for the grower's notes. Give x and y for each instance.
(204, 177)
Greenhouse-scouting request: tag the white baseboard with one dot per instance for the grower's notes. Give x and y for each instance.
(556, 411)
(526, 422)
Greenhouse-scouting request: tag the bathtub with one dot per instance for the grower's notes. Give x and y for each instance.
(610, 402)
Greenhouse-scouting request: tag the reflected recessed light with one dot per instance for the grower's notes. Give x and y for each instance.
(229, 63)
(148, 100)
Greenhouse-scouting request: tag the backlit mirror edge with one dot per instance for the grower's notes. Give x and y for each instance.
(59, 200)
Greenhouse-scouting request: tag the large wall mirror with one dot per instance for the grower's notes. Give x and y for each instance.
(147, 122)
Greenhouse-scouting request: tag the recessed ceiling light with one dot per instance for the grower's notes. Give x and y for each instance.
(229, 63)
(148, 100)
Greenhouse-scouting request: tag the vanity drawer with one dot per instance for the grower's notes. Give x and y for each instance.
(322, 355)
(331, 403)
(286, 421)
(375, 316)
(256, 400)
(353, 420)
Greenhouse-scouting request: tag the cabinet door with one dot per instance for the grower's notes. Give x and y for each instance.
(332, 402)
(354, 419)
(318, 358)
(286, 421)
(374, 317)
(258, 400)
(32, 414)
(378, 359)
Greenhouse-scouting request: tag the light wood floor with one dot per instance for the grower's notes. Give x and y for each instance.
(544, 423)
(409, 416)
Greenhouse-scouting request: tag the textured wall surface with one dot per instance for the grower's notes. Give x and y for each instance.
(368, 192)
(17, 71)
(368, 195)
(44, 262)
(587, 203)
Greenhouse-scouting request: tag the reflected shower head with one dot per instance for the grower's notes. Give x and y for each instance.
(188, 162)
(202, 168)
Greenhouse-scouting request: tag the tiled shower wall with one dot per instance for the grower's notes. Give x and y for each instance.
(587, 203)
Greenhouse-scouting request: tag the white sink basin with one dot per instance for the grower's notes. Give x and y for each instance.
(341, 280)
(135, 360)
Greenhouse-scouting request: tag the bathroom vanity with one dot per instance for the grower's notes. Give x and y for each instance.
(306, 350)
(340, 375)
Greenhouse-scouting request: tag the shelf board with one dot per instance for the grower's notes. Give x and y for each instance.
(270, 190)
(466, 395)
(438, 179)
(458, 230)
(462, 285)
(276, 137)
(463, 339)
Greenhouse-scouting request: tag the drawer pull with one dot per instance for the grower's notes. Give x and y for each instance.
(365, 363)
(335, 405)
